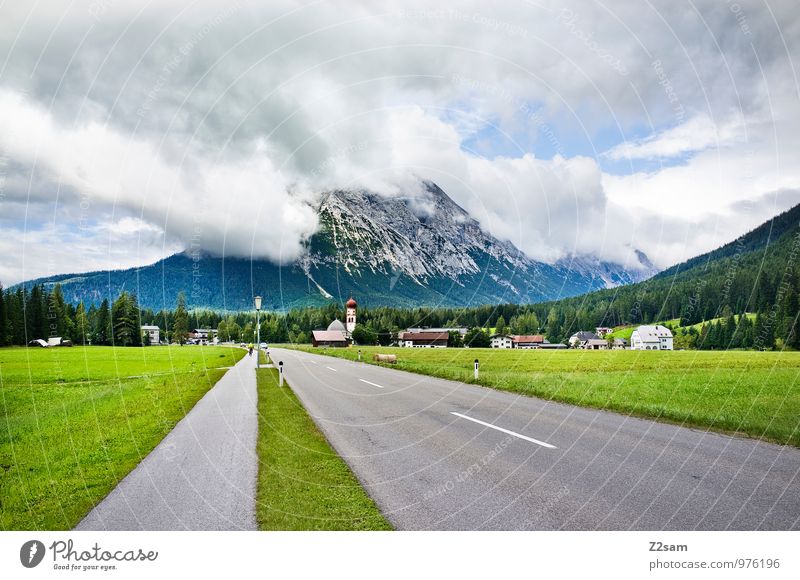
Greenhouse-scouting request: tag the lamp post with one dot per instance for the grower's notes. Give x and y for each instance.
(258, 327)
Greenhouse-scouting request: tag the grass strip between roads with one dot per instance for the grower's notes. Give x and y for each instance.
(75, 421)
(303, 484)
(756, 394)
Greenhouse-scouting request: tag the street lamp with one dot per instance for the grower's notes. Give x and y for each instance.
(258, 327)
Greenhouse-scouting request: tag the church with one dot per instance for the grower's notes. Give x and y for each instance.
(338, 334)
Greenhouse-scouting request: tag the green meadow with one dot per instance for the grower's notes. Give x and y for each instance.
(75, 421)
(749, 393)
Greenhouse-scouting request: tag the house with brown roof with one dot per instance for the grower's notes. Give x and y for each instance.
(423, 339)
(528, 340)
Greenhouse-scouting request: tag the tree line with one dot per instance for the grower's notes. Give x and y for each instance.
(752, 297)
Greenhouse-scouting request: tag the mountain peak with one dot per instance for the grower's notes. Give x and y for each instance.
(413, 248)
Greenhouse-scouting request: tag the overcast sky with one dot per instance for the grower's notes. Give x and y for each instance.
(133, 130)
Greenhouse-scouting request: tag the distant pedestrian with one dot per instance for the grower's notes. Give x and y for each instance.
(250, 349)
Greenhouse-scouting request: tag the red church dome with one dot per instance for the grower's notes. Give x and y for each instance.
(351, 303)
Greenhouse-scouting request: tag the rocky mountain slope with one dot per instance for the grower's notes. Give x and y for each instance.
(418, 249)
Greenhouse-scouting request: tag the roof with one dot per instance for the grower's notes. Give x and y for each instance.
(329, 335)
(149, 327)
(336, 325)
(655, 333)
(351, 303)
(459, 329)
(620, 341)
(584, 335)
(424, 336)
(597, 342)
(502, 336)
(528, 338)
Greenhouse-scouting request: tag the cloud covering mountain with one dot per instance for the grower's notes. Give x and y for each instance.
(132, 131)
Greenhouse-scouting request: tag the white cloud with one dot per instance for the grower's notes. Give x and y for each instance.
(696, 134)
(215, 123)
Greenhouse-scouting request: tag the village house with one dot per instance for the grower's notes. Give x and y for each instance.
(580, 337)
(619, 344)
(602, 331)
(528, 340)
(153, 333)
(501, 341)
(519, 341)
(595, 344)
(651, 337)
(462, 330)
(201, 335)
(423, 339)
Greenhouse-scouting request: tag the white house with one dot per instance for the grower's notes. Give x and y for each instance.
(595, 344)
(601, 331)
(502, 341)
(153, 333)
(648, 337)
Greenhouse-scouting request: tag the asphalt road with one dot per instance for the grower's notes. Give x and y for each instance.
(444, 455)
(202, 476)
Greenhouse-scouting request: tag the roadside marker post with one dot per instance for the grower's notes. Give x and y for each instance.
(476, 369)
(280, 373)
(359, 355)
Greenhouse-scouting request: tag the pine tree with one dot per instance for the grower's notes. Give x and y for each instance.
(500, 325)
(121, 322)
(35, 317)
(81, 332)
(16, 316)
(180, 328)
(134, 320)
(4, 335)
(102, 329)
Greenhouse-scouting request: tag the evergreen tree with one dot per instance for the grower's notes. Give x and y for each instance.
(58, 314)
(180, 327)
(35, 315)
(135, 320)
(4, 334)
(125, 326)
(16, 316)
(82, 330)
(102, 331)
(500, 325)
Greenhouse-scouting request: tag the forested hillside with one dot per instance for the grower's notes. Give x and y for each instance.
(755, 274)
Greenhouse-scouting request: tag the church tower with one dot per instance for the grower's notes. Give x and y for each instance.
(350, 318)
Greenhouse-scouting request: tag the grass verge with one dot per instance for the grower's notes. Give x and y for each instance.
(749, 393)
(303, 484)
(75, 421)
